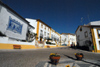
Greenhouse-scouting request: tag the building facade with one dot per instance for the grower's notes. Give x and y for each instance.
(68, 39)
(46, 36)
(14, 29)
(64, 39)
(19, 33)
(55, 36)
(71, 39)
(88, 35)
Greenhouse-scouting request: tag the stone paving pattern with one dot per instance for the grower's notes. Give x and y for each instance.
(40, 57)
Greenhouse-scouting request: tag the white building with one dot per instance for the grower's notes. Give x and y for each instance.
(17, 32)
(71, 39)
(64, 39)
(55, 36)
(13, 29)
(44, 33)
(33, 23)
(68, 38)
(11, 24)
(89, 36)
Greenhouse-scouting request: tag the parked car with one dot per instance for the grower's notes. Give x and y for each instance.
(64, 44)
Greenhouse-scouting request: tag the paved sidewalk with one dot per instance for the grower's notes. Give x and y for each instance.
(40, 58)
(70, 63)
(10, 50)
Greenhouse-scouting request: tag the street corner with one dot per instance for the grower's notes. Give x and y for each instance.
(67, 63)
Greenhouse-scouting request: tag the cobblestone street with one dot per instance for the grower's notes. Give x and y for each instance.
(40, 58)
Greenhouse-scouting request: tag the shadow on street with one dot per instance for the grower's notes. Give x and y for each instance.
(82, 60)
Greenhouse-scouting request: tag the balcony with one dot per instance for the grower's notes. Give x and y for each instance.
(41, 35)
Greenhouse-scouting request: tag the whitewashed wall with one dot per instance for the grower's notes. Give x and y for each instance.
(3, 39)
(82, 38)
(96, 37)
(47, 31)
(63, 37)
(43, 29)
(97, 23)
(67, 39)
(58, 36)
(40, 30)
(5, 16)
(10, 41)
(52, 33)
(33, 23)
(72, 38)
(6, 40)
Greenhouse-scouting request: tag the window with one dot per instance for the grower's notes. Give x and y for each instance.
(41, 25)
(44, 33)
(86, 34)
(52, 36)
(57, 39)
(45, 27)
(48, 34)
(48, 29)
(41, 31)
(98, 33)
(81, 28)
(41, 34)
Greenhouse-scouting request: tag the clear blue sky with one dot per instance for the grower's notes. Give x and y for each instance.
(64, 16)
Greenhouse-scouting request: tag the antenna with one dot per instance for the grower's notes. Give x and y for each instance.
(81, 23)
(81, 20)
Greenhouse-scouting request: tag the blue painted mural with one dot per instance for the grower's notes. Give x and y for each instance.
(14, 26)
